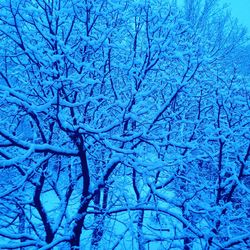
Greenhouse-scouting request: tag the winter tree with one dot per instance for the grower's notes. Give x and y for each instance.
(124, 125)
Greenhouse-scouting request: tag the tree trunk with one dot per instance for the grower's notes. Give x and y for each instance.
(21, 228)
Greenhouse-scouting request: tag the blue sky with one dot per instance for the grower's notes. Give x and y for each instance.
(241, 10)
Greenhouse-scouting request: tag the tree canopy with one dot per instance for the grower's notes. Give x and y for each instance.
(124, 125)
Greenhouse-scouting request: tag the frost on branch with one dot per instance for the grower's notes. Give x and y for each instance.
(124, 125)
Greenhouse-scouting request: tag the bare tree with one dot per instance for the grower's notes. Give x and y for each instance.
(120, 127)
